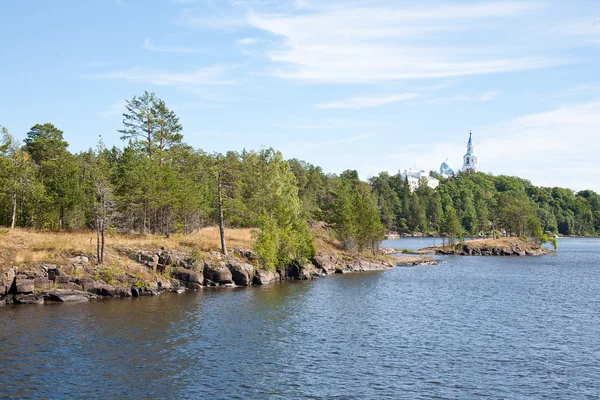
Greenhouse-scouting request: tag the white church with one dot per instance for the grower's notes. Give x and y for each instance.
(415, 176)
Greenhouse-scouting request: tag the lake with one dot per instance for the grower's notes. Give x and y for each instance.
(471, 327)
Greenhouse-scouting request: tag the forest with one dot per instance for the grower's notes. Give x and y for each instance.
(157, 184)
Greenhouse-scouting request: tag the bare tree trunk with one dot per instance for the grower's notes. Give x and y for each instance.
(103, 235)
(14, 210)
(221, 222)
(98, 256)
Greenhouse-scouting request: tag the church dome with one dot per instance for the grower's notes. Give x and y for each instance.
(446, 168)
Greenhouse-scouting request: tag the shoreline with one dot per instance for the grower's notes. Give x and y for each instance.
(177, 273)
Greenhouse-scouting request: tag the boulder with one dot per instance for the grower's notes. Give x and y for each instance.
(29, 298)
(106, 290)
(217, 273)
(308, 271)
(88, 284)
(66, 296)
(242, 274)
(123, 291)
(263, 277)
(42, 283)
(79, 260)
(326, 262)
(23, 286)
(190, 279)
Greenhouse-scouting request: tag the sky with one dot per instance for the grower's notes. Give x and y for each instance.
(366, 85)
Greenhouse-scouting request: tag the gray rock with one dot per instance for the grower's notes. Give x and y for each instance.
(190, 279)
(106, 290)
(326, 262)
(308, 271)
(66, 296)
(218, 273)
(29, 299)
(42, 283)
(242, 274)
(79, 260)
(24, 286)
(263, 277)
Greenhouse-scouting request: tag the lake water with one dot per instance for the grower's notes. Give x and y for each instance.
(500, 328)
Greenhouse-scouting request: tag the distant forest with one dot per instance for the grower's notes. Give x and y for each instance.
(158, 184)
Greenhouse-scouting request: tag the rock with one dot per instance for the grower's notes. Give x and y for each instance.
(263, 277)
(242, 274)
(308, 271)
(123, 291)
(217, 273)
(23, 286)
(11, 275)
(106, 290)
(79, 260)
(326, 262)
(66, 296)
(190, 279)
(88, 284)
(62, 279)
(29, 298)
(178, 290)
(42, 283)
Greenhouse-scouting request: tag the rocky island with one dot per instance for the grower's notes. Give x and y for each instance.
(509, 246)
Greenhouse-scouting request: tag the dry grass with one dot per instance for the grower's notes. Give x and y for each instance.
(23, 246)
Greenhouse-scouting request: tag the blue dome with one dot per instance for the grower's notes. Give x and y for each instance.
(446, 168)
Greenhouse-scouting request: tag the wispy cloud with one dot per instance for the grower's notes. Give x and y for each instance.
(367, 101)
(398, 42)
(115, 109)
(214, 75)
(489, 95)
(148, 45)
(248, 41)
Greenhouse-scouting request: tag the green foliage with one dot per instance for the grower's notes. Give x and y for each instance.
(108, 273)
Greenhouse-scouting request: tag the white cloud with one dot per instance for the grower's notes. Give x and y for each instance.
(489, 95)
(248, 41)
(375, 44)
(148, 45)
(368, 101)
(115, 109)
(587, 28)
(202, 76)
(553, 148)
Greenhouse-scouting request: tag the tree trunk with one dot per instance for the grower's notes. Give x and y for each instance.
(98, 256)
(14, 210)
(221, 222)
(103, 236)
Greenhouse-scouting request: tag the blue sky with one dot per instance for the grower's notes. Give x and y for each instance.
(367, 85)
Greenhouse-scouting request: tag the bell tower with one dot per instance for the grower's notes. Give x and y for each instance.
(470, 162)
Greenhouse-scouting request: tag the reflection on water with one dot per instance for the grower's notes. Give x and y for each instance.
(506, 327)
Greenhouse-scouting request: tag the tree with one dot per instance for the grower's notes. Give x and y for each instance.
(18, 173)
(58, 172)
(139, 122)
(452, 225)
(104, 201)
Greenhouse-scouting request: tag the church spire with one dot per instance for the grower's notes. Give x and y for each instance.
(470, 159)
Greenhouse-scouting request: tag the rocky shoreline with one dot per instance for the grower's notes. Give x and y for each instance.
(172, 271)
(489, 247)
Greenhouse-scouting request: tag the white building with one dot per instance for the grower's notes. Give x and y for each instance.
(470, 163)
(415, 176)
